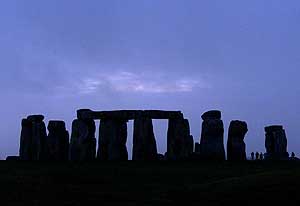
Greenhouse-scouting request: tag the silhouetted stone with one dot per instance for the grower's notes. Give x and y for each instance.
(179, 141)
(83, 141)
(213, 114)
(144, 144)
(236, 147)
(57, 141)
(33, 136)
(212, 135)
(112, 140)
(12, 158)
(127, 114)
(276, 143)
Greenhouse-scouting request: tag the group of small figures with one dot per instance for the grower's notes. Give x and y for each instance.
(260, 156)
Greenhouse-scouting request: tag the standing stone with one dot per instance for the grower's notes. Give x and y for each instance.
(236, 147)
(57, 141)
(275, 143)
(211, 143)
(83, 141)
(33, 136)
(144, 144)
(179, 141)
(112, 140)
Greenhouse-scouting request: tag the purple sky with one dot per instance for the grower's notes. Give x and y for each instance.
(242, 57)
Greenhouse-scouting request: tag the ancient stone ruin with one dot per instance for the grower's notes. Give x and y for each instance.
(236, 147)
(57, 142)
(113, 134)
(33, 136)
(212, 135)
(35, 144)
(275, 143)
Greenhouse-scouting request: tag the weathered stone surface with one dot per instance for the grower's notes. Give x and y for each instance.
(33, 136)
(275, 143)
(236, 147)
(211, 143)
(179, 141)
(112, 140)
(213, 114)
(144, 144)
(83, 141)
(57, 142)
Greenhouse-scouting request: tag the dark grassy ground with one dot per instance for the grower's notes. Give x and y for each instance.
(149, 183)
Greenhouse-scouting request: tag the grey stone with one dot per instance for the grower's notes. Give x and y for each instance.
(83, 141)
(144, 143)
(276, 143)
(236, 147)
(212, 137)
(57, 143)
(112, 140)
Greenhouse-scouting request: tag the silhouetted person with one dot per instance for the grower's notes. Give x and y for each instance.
(293, 155)
(252, 155)
(256, 155)
(261, 156)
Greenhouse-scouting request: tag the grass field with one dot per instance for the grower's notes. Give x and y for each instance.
(149, 183)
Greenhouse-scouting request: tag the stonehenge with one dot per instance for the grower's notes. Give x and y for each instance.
(212, 135)
(275, 143)
(236, 147)
(35, 144)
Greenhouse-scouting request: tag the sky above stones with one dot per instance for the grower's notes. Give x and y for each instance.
(241, 57)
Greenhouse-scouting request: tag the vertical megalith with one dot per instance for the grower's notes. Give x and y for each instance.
(33, 136)
(275, 143)
(212, 135)
(236, 147)
(144, 144)
(57, 143)
(112, 140)
(179, 140)
(83, 141)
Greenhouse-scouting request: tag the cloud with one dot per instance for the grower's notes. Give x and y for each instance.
(124, 81)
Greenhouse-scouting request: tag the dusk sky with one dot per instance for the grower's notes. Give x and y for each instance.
(241, 57)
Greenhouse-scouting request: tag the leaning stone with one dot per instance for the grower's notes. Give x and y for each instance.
(144, 143)
(236, 147)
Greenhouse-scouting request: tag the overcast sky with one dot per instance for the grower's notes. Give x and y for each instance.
(241, 57)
